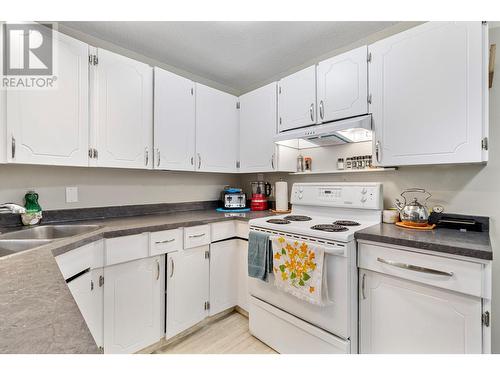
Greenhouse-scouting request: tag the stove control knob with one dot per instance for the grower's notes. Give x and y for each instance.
(300, 196)
(301, 189)
(364, 191)
(363, 200)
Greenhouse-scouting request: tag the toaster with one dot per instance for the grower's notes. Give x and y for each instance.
(233, 198)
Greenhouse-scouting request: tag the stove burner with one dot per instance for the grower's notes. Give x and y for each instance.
(329, 228)
(346, 223)
(278, 221)
(297, 218)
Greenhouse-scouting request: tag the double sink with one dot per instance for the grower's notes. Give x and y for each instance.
(26, 239)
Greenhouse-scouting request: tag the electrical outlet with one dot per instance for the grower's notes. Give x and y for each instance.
(71, 194)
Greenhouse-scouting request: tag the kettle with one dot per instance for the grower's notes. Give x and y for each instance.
(413, 213)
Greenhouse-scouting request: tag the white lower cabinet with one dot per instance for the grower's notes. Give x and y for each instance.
(401, 316)
(187, 288)
(242, 299)
(87, 290)
(133, 305)
(224, 272)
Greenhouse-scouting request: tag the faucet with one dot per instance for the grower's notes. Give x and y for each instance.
(12, 208)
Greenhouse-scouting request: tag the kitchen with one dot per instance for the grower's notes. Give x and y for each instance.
(128, 190)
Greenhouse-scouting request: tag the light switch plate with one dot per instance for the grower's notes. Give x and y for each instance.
(71, 194)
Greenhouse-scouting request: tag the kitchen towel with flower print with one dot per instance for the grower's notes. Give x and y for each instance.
(298, 269)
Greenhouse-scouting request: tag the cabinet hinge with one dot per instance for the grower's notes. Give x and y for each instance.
(237, 105)
(95, 60)
(237, 164)
(369, 57)
(91, 153)
(207, 254)
(192, 91)
(484, 143)
(485, 319)
(279, 89)
(90, 59)
(206, 305)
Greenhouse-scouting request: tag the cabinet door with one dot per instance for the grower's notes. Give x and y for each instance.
(223, 275)
(132, 305)
(3, 117)
(122, 111)
(187, 288)
(400, 316)
(242, 278)
(297, 99)
(174, 121)
(429, 94)
(87, 290)
(343, 86)
(258, 115)
(216, 130)
(51, 126)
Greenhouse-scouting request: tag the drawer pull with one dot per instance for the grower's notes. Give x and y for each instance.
(411, 267)
(165, 241)
(196, 235)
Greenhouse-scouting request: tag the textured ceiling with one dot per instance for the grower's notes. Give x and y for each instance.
(239, 55)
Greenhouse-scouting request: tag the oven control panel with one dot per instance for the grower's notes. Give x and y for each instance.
(348, 195)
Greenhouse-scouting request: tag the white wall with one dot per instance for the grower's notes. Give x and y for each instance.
(468, 189)
(108, 187)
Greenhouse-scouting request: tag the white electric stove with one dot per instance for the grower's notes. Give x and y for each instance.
(330, 214)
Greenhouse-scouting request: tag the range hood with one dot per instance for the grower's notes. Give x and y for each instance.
(351, 130)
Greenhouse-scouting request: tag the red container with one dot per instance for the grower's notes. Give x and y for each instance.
(258, 203)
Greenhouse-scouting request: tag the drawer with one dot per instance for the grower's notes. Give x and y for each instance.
(457, 275)
(127, 248)
(77, 260)
(242, 229)
(196, 236)
(165, 241)
(223, 230)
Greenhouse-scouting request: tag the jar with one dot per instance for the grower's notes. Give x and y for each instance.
(300, 163)
(340, 163)
(348, 163)
(308, 164)
(360, 162)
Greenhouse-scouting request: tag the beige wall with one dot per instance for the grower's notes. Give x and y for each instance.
(108, 187)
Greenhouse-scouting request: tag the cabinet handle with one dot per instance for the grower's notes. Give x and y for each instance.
(101, 280)
(13, 145)
(196, 235)
(157, 270)
(192, 160)
(311, 111)
(321, 110)
(377, 151)
(165, 241)
(369, 99)
(91, 284)
(363, 281)
(146, 152)
(159, 158)
(272, 161)
(411, 267)
(171, 267)
(199, 161)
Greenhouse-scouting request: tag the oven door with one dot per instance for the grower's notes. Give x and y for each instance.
(334, 317)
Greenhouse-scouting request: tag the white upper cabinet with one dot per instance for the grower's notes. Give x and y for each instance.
(297, 100)
(121, 112)
(50, 126)
(174, 121)
(429, 94)
(343, 86)
(258, 114)
(216, 130)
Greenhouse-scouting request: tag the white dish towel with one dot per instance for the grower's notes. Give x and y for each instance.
(298, 269)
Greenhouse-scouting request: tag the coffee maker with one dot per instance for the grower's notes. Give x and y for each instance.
(261, 190)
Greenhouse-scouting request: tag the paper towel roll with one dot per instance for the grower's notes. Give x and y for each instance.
(281, 193)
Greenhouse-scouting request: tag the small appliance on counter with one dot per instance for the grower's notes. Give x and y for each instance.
(463, 223)
(260, 192)
(233, 199)
(414, 215)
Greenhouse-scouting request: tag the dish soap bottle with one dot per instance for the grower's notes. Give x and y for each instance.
(33, 213)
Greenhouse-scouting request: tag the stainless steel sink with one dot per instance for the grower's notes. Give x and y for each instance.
(49, 232)
(8, 247)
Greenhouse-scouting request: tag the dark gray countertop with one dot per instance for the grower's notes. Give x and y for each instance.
(450, 241)
(37, 311)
